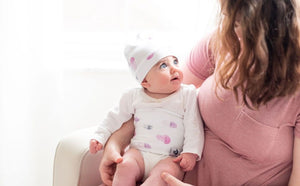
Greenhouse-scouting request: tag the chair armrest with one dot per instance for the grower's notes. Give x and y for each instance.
(73, 164)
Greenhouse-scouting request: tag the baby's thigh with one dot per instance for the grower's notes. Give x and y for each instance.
(135, 155)
(132, 161)
(167, 165)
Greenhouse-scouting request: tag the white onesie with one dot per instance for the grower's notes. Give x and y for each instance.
(167, 126)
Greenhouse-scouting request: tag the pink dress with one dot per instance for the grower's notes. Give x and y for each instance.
(242, 146)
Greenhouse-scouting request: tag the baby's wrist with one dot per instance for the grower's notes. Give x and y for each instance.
(192, 154)
(196, 156)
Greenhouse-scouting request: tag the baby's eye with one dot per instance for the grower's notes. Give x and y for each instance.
(175, 62)
(163, 65)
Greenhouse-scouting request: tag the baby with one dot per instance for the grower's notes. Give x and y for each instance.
(168, 128)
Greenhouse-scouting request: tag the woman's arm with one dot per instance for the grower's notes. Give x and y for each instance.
(295, 176)
(200, 63)
(114, 149)
(190, 78)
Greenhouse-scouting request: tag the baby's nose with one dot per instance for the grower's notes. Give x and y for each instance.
(173, 69)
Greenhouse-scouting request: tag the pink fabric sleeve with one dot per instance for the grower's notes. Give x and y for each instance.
(200, 61)
(297, 127)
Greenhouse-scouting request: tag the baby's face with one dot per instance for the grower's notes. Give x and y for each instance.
(165, 76)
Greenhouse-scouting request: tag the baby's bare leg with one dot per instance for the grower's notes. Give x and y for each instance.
(130, 170)
(165, 165)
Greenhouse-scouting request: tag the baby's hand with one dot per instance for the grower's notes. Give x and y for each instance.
(95, 146)
(186, 161)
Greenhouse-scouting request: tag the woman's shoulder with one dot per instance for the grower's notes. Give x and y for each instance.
(200, 61)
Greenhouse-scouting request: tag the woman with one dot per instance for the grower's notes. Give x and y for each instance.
(249, 98)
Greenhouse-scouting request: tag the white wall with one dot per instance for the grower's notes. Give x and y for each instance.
(38, 110)
(30, 92)
(88, 94)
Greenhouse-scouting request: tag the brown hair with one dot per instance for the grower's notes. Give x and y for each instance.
(268, 65)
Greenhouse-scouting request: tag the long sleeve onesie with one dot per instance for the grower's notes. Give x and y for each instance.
(167, 126)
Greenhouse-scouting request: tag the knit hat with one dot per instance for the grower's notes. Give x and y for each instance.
(142, 55)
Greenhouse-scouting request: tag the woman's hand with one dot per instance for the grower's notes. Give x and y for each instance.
(172, 181)
(113, 151)
(111, 156)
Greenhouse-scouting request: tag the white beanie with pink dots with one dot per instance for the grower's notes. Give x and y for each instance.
(142, 55)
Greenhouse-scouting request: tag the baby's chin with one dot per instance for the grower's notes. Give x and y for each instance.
(176, 83)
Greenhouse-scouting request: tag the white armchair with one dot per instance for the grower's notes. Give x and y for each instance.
(73, 164)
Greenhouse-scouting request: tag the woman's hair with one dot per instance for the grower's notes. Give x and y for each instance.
(267, 64)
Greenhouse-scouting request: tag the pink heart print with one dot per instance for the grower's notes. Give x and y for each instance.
(173, 124)
(150, 56)
(147, 146)
(164, 138)
(136, 119)
(132, 63)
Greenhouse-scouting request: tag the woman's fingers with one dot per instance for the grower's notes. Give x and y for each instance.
(171, 180)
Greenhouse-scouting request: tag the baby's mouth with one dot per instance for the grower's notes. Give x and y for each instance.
(175, 78)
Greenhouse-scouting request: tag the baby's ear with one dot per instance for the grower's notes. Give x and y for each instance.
(145, 84)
